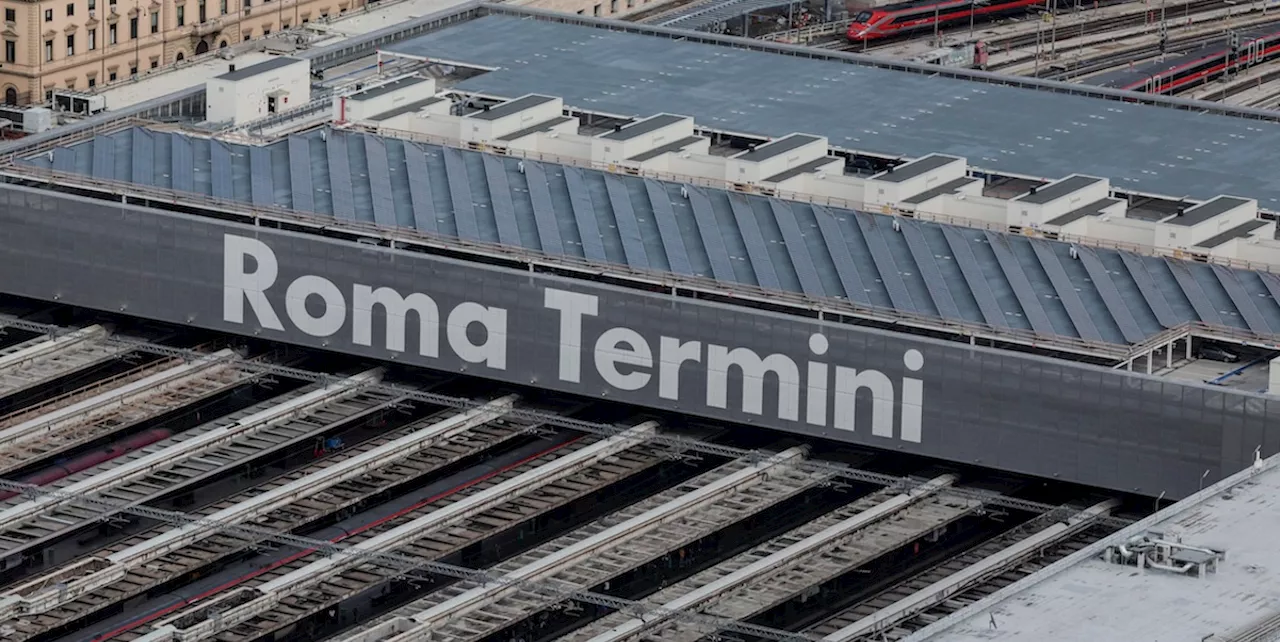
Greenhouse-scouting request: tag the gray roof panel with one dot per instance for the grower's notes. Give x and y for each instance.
(642, 127)
(544, 211)
(1021, 131)
(380, 191)
(1115, 302)
(925, 268)
(1207, 210)
(1066, 290)
(142, 152)
(753, 241)
(220, 160)
(628, 226)
(1242, 300)
(1015, 272)
(709, 232)
(967, 261)
(584, 212)
(261, 190)
(263, 67)
(344, 205)
(1058, 189)
(885, 263)
(793, 238)
(511, 107)
(915, 168)
(464, 210)
(300, 174)
(922, 254)
(504, 210)
(668, 229)
(855, 289)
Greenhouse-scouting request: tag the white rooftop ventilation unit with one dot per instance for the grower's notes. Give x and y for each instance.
(78, 103)
(1151, 550)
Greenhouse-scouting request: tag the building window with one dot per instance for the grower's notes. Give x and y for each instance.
(111, 77)
(613, 6)
(93, 39)
(133, 70)
(48, 51)
(10, 15)
(180, 57)
(155, 22)
(155, 64)
(71, 10)
(248, 34)
(595, 11)
(182, 16)
(93, 4)
(10, 51)
(222, 7)
(48, 95)
(93, 82)
(133, 28)
(71, 44)
(48, 15)
(266, 31)
(284, 25)
(111, 2)
(201, 11)
(111, 35)
(631, 3)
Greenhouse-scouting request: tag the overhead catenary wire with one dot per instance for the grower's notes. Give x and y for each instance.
(675, 442)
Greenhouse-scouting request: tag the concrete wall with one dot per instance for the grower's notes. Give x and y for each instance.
(1031, 415)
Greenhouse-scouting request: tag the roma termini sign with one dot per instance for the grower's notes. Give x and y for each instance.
(878, 389)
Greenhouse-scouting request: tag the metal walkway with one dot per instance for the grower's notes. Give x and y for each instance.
(144, 474)
(783, 568)
(605, 549)
(52, 358)
(36, 433)
(331, 484)
(449, 523)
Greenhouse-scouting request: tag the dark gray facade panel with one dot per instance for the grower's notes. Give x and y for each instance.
(1002, 410)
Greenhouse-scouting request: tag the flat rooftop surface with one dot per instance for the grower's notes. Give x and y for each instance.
(1004, 281)
(152, 84)
(1020, 131)
(1093, 601)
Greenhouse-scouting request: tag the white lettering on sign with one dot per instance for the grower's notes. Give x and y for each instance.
(245, 283)
(625, 360)
(809, 390)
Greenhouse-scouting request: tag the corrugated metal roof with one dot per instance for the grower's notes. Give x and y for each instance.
(920, 267)
(1023, 132)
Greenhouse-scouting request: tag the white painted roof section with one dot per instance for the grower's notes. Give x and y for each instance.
(171, 79)
(163, 83)
(1083, 598)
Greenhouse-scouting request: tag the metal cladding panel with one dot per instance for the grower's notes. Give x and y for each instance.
(544, 212)
(757, 253)
(796, 248)
(262, 191)
(504, 211)
(464, 210)
(854, 289)
(624, 215)
(300, 174)
(668, 228)
(424, 202)
(384, 208)
(344, 205)
(1066, 291)
(1020, 413)
(220, 158)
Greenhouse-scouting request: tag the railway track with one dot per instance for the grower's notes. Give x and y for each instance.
(1184, 35)
(885, 617)
(294, 588)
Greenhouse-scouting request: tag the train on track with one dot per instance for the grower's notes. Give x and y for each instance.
(1231, 55)
(68, 467)
(915, 15)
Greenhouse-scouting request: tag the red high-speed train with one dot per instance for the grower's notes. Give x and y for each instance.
(1199, 66)
(894, 19)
